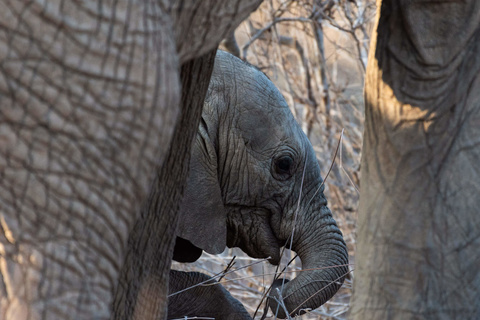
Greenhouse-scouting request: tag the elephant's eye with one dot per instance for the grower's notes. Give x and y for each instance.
(283, 166)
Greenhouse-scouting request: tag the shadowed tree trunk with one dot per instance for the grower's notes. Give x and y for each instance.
(419, 227)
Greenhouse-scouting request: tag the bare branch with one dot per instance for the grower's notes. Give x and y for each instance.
(267, 28)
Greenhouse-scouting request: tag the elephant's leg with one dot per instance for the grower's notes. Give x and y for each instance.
(89, 98)
(88, 107)
(418, 233)
(142, 288)
(207, 300)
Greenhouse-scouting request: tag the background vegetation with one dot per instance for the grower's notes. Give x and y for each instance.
(316, 54)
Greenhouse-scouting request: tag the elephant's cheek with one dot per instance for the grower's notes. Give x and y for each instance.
(265, 244)
(268, 244)
(252, 233)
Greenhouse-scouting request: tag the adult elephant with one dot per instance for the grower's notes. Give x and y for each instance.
(99, 104)
(254, 182)
(419, 227)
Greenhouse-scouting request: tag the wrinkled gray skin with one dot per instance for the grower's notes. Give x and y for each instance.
(210, 300)
(418, 230)
(91, 149)
(245, 185)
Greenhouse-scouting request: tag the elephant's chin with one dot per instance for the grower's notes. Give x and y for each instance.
(273, 253)
(250, 230)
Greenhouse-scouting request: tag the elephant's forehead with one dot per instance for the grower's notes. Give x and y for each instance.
(265, 128)
(253, 105)
(255, 115)
(244, 82)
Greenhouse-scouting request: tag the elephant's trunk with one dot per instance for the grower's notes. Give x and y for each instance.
(324, 257)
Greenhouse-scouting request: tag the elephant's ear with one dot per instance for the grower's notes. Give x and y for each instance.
(202, 213)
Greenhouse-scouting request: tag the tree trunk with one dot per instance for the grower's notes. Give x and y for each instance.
(419, 229)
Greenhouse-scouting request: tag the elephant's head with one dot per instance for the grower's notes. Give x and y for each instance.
(254, 181)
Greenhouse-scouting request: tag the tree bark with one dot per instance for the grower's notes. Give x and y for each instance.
(419, 229)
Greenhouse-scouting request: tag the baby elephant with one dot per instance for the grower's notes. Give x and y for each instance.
(254, 181)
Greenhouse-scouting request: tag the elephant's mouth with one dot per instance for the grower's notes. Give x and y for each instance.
(249, 228)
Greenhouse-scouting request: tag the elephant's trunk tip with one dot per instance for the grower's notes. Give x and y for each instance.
(284, 300)
(325, 266)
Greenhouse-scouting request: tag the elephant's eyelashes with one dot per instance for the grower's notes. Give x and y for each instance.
(283, 167)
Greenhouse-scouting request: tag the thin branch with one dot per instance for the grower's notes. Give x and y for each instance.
(220, 274)
(268, 27)
(276, 274)
(227, 268)
(318, 30)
